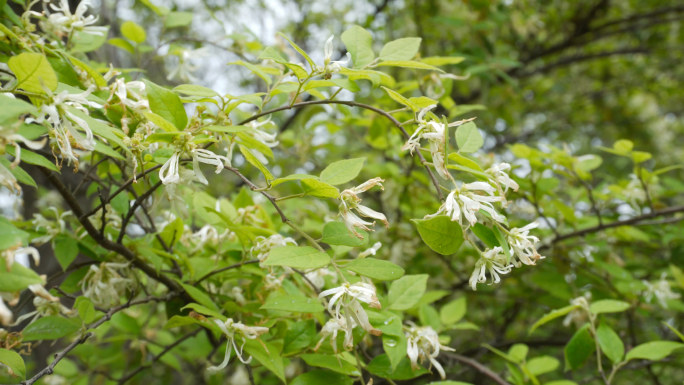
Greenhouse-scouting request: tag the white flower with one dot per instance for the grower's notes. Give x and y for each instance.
(169, 171)
(317, 277)
(348, 297)
(423, 343)
(491, 260)
(436, 133)
(130, 94)
(370, 251)
(105, 284)
(465, 203)
(523, 245)
(578, 315)
(232, 330)
(262, 136)
(332, 327)
(207, 157)
(63, 22)
(11, 253)
(499, 177)
(5, 314)
(331, 66)
(660, 290)
(349, 200)
(262, 247)
(183, 71)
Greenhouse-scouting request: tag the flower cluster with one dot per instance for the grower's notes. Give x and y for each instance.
(63, 23)
(105, 284)
(347, 311)
(422, 343)
(436, 133)
(659, 290)
(349, 200)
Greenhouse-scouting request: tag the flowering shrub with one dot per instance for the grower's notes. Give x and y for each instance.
(265, 256)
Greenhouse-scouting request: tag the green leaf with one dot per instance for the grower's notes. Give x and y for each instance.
(298, 257)
(86, 310)
(299, 336)
(552, 315)
(332, 362)
(290, 303)
(653, 351)
(66, 250)
(400, 49)
(298, 49)
(19, 173)
(342, 171)
(31, 157)
(268, 355)
(395, 348)
(579, 348)
(336, 233)
(13, 108)
(178, 19)
(133, 32)
(200, 296)
(316, 188)
(195, 90)
(10, 235)
(254, 161)
(399, 98)
(33, 72)
(442, 60)
(172, 232)
(203, 310)
(359, 44)
(50, 328)
(453, 311)
(468, 138)
(13, 362)
(17, 278)
(83, 41)
(292, 177)
(321, 377)
(608, 306)
(408, 64)
(610, 343)
(485, 234)
(440, 233)
(375, 269)
(405, 292)
(166, 104)
(543, 364)
(380, 366)
(122, 43)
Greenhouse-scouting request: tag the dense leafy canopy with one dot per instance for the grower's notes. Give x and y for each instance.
(418, 198)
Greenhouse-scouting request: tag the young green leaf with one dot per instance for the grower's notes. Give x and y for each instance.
(610, 343)
(400, 49)
(298, 257)
(453, 312)
(552, 315)
(653, 351)
(359, 44)
(440, 233)
(33, 71)
(405, 292)
(375, 269)
(50, 328)
(342, 171)
(608, 306)
(286, 302)
(166, 104)
(579, 348)
(133, 32)
(336, 233)
(13, 362)
(468, 138)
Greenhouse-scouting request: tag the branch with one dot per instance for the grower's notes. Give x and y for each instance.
(580, 58)
(221, 270)
(58, 357)
(378, 111)
(103, 241)
(626, 222)
(479, 367)
(156, 358)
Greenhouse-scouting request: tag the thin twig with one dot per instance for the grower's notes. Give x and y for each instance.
(46, 371)
(479, 367)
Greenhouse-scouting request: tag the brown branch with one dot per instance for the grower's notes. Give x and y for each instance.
(605, 226)
(580, 58)
(479, 367)
(156, 358)
(103, 241)
(46, 371)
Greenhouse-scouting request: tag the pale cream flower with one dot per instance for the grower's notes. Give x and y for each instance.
(492, 261)
(423, 343)
(659, 290)
(523, 245)
(349, 200)
(499, 176)
(467, 201)
(346, 301)
(233, 330)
